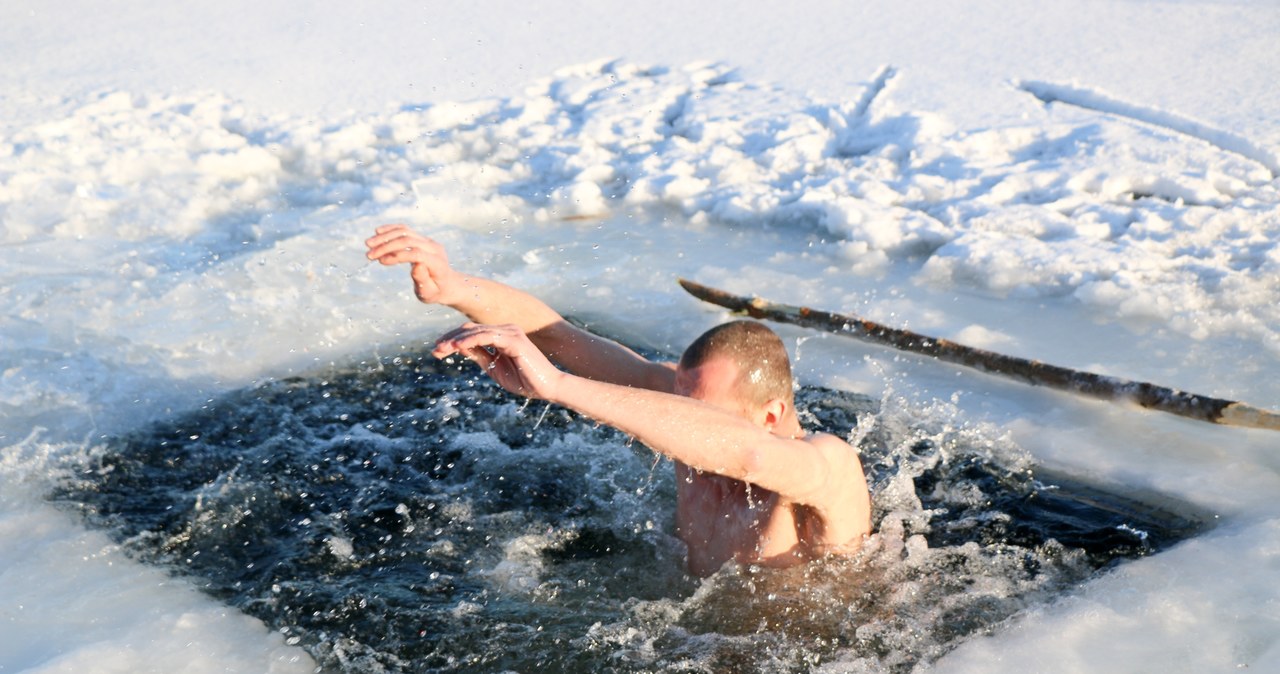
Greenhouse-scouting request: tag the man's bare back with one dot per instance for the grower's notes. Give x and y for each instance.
(752, 488)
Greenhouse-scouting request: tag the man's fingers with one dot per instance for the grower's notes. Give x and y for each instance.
(398, 237)
(391, 227)
(393, 254)
(459, 331)
(451, 342)
(380, 245)
(468, 337)
(391, 231)
(473, 347)
(480, 356)
(386, 233)
(407, 249)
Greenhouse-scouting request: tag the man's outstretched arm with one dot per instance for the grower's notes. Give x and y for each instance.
(488, 302)
(695, 433)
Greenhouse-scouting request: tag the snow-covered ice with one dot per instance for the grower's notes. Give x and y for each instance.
(184, 190)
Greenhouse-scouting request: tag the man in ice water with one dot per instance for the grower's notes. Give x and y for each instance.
(751, 486)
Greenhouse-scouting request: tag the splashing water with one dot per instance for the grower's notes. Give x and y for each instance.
(405, 515)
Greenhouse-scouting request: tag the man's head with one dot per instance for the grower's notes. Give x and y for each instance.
(741, 366)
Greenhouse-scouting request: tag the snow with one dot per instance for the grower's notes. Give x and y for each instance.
(74, 603)
(183, 190)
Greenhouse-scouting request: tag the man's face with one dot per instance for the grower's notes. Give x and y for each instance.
(712, 382)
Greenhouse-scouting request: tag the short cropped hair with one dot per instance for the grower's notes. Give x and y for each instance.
(764, 369)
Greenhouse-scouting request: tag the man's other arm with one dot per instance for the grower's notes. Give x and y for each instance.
(486, 301)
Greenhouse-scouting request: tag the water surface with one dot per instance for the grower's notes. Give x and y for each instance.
(404, 515)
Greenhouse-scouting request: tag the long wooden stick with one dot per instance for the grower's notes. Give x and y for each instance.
(1204, 408)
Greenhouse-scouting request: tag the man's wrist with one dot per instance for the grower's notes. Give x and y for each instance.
(458, 290)
(561, 388)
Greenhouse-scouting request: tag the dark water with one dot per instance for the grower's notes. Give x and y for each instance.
(403, 516)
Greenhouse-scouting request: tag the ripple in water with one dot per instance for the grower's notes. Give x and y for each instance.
(404, 516)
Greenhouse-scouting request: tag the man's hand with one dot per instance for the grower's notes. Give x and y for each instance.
(505, 353)
(434, 281)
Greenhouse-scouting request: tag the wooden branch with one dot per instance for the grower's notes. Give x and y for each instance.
(1151, 396)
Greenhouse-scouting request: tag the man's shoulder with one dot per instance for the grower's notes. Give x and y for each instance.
(839, 455)
(828, 441)
(845, 485)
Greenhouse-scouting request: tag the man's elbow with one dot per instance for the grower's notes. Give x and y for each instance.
(752, 464)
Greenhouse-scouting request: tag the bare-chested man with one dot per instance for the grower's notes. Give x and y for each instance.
(752, 486)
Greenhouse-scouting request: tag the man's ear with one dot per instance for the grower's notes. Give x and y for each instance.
(773, 413)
